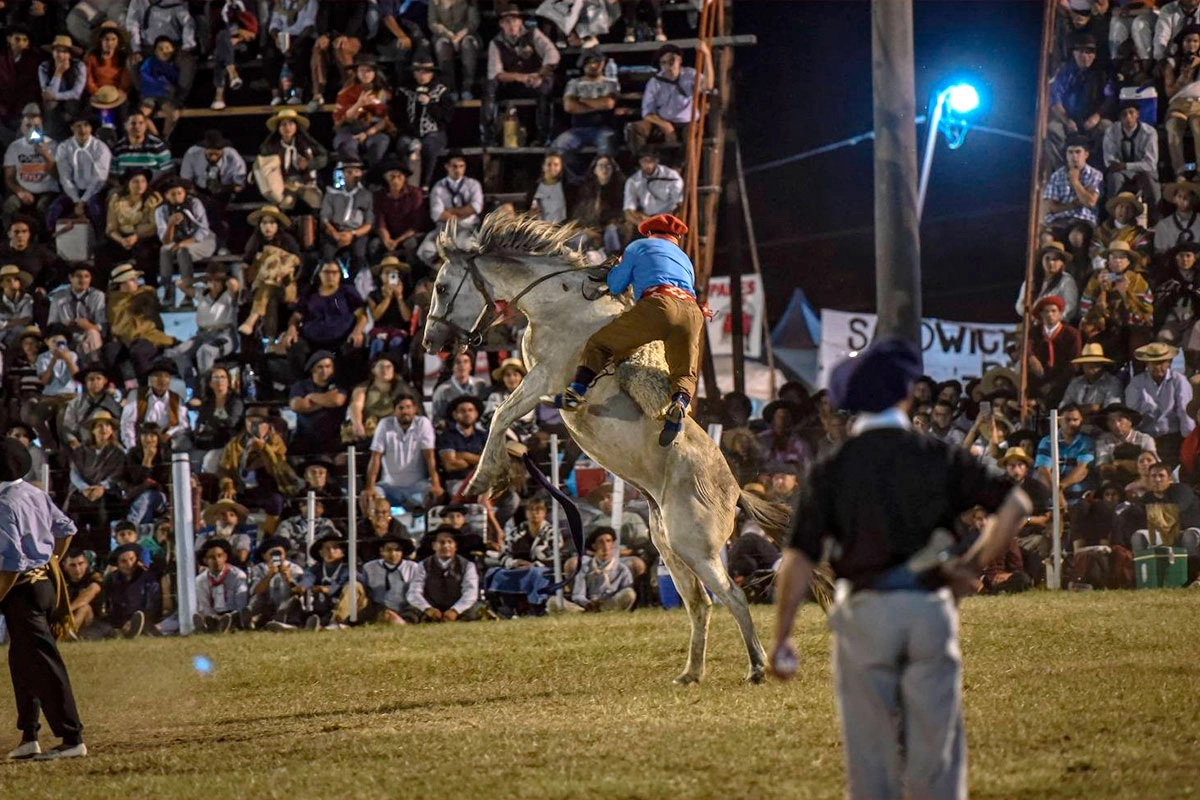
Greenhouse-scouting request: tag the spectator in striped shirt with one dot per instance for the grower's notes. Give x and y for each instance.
(140, 149)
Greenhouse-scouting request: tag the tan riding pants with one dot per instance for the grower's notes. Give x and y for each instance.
(896, 657)
(678, 323)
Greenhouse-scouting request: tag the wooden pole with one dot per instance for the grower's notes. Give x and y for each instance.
(1035, 191)
(748, 221)
(897, 238)
(733, 221)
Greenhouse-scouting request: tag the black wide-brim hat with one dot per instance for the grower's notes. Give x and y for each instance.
(15, 461)
(406, 544)
(270, 543)
(125, 548)
(464, 398)
(314, 552)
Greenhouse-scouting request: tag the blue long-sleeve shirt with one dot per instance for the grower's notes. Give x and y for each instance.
(652, 262)
(30, 524)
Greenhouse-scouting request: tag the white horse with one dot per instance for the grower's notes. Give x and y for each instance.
(692, 494)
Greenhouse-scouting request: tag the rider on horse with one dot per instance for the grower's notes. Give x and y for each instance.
(663, 280)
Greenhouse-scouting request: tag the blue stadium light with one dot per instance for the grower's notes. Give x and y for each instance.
(963, 98)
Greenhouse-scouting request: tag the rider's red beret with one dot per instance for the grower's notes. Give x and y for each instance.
(663, 223)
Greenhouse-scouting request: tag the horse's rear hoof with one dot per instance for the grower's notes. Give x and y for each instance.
(686, 680)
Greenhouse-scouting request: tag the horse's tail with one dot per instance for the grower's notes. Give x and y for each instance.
(774, 517)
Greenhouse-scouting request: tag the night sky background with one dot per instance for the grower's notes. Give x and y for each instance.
(808, 83)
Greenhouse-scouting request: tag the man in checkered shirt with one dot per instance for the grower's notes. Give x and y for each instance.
(1073, 191)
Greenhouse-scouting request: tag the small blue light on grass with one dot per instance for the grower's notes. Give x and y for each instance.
(203, 665)
(963, 98)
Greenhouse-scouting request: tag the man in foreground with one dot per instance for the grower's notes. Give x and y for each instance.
(887, 536)
(34, 535)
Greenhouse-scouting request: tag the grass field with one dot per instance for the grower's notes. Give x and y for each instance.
(1070, 695)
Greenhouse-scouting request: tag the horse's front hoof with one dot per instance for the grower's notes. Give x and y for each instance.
(687, 680)
(756, 676)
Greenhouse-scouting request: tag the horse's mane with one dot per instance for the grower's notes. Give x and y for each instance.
(503, 234)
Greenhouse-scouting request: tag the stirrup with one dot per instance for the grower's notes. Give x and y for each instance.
(567, 400)
(672, 423)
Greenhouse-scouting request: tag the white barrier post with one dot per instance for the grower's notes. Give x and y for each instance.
(618, 510)
(352, 524)
(715, 430)
(185, 534)
(554, 516)
(45, 477)
(1054, 580)
(310, 536)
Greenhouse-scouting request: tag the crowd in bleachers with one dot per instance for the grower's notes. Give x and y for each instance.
(220, 224)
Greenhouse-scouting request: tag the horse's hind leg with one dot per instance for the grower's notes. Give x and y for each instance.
(693, 542)
(695, 600)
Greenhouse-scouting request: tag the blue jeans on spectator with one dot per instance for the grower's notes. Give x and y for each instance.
(572, 140)
(64, 206)
(410, 496)
(147, 507)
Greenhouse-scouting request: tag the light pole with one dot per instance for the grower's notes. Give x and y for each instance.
(962, 98)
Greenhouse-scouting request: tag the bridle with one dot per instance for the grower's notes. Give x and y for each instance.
(489, 317)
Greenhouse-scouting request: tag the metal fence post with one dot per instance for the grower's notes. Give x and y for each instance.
(1055, 578)
(618, 511)
(352, 524)
(554, 517)
(185, 556)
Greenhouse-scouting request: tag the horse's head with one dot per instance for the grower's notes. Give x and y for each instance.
(462, 306)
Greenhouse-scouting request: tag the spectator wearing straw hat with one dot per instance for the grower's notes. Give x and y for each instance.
(1177, 303)
(135, 324)
(508, 377)
(96, 496)
(1017, 464)
(96, 398)
(404, 447)
(1122, 298)
(1121, 225)
(1161, 395)
(399, 214)
(107, 62)
(16, 303)
(83, 164)
(422, 114)
(1130, 151)
(107, 103)
(29, 168)
(226, 520)
(63, 80)
(390, 309)
(288, 162)
(1052, 347)
(1095, 387)
(222, 589)
(1056, 282)
(1073, 190)
(1183, 223)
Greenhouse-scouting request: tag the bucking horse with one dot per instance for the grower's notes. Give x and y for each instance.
(529, 266)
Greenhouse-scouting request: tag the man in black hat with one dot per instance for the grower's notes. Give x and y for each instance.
(388, 577)
(186, 236)
(82, 309)
(156, 403)
(461, 444)
(1130, 151)
(399, 220)
(887, 533)
(347, 216)
(222, 591)
(34, 535)
(218, 173)
(422, 114)
(520, 63)
(274, 580)
(318, 402)
(446, 588)
(1083, 100)
(666, 102)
